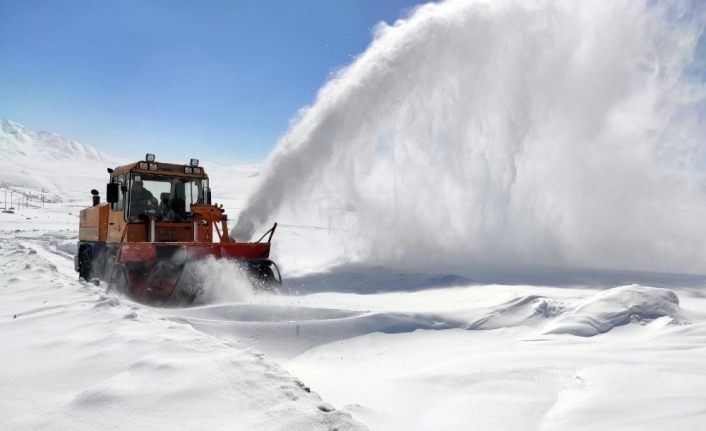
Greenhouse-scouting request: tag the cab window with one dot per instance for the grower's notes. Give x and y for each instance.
(170, 197)
(120, 204)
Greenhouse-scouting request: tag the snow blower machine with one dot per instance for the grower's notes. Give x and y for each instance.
(157, 223)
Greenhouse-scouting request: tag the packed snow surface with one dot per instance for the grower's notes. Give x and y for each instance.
(350, 347)
(78, 357)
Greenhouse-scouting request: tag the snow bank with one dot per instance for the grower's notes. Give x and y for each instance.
(523, 310)
(587, 316)
(390, 349)
(75, 358)
(618, 306)
(289, 330)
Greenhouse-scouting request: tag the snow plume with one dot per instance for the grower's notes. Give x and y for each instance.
(508, 131)
(220, 280)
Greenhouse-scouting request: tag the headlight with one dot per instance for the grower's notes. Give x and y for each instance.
(197, 171)
(143, 165)
(149, 157)
(194, 163)
(188, 170)
(153, 166)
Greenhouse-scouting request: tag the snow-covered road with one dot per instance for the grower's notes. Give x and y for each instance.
(76, 357)
(378, 348)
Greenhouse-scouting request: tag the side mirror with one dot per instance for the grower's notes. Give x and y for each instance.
(111, 192)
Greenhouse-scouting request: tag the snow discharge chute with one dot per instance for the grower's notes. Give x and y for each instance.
(508, 131)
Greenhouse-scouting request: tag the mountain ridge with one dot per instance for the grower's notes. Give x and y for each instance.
(21, 141)
(66, 169)
(48, 162)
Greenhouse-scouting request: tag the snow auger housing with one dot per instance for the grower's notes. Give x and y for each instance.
(157, 219)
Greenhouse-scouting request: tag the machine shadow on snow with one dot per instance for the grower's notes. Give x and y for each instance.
(369, 279)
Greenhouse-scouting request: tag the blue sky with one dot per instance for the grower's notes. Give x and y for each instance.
(219, 80)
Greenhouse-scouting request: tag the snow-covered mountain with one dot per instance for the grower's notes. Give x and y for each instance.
(64, 169)
(51, 163)
(17, 141)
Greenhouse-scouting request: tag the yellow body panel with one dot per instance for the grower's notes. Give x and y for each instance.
(116, 224)
(93, 223)
(103, 224)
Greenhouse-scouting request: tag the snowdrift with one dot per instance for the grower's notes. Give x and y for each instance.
(618, 306)
(76, 358)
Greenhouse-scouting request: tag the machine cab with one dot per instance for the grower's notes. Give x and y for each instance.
(149, 191)
(158, 217)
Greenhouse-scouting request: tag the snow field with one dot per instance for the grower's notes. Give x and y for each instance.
(75, 357)
(436, 352)
(467, 347)
(387, 349)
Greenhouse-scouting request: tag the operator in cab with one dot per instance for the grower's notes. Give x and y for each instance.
(140, 199)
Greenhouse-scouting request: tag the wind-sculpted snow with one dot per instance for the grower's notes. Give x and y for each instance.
(77, 358)
(286, 326)
(389, 348)
(289, 330)
(507, 132)
(619, 306)
(593, 315)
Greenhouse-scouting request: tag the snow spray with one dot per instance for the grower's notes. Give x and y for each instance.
(219, 280)
(508, 131)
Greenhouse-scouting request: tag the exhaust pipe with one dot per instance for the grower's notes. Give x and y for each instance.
(96, 197)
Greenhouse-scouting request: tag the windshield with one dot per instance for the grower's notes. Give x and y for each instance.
(168, 198)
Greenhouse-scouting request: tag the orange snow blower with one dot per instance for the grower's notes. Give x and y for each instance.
(157, 221)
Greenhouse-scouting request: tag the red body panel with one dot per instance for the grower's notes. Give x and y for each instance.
(141, 257)
(147, 252)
